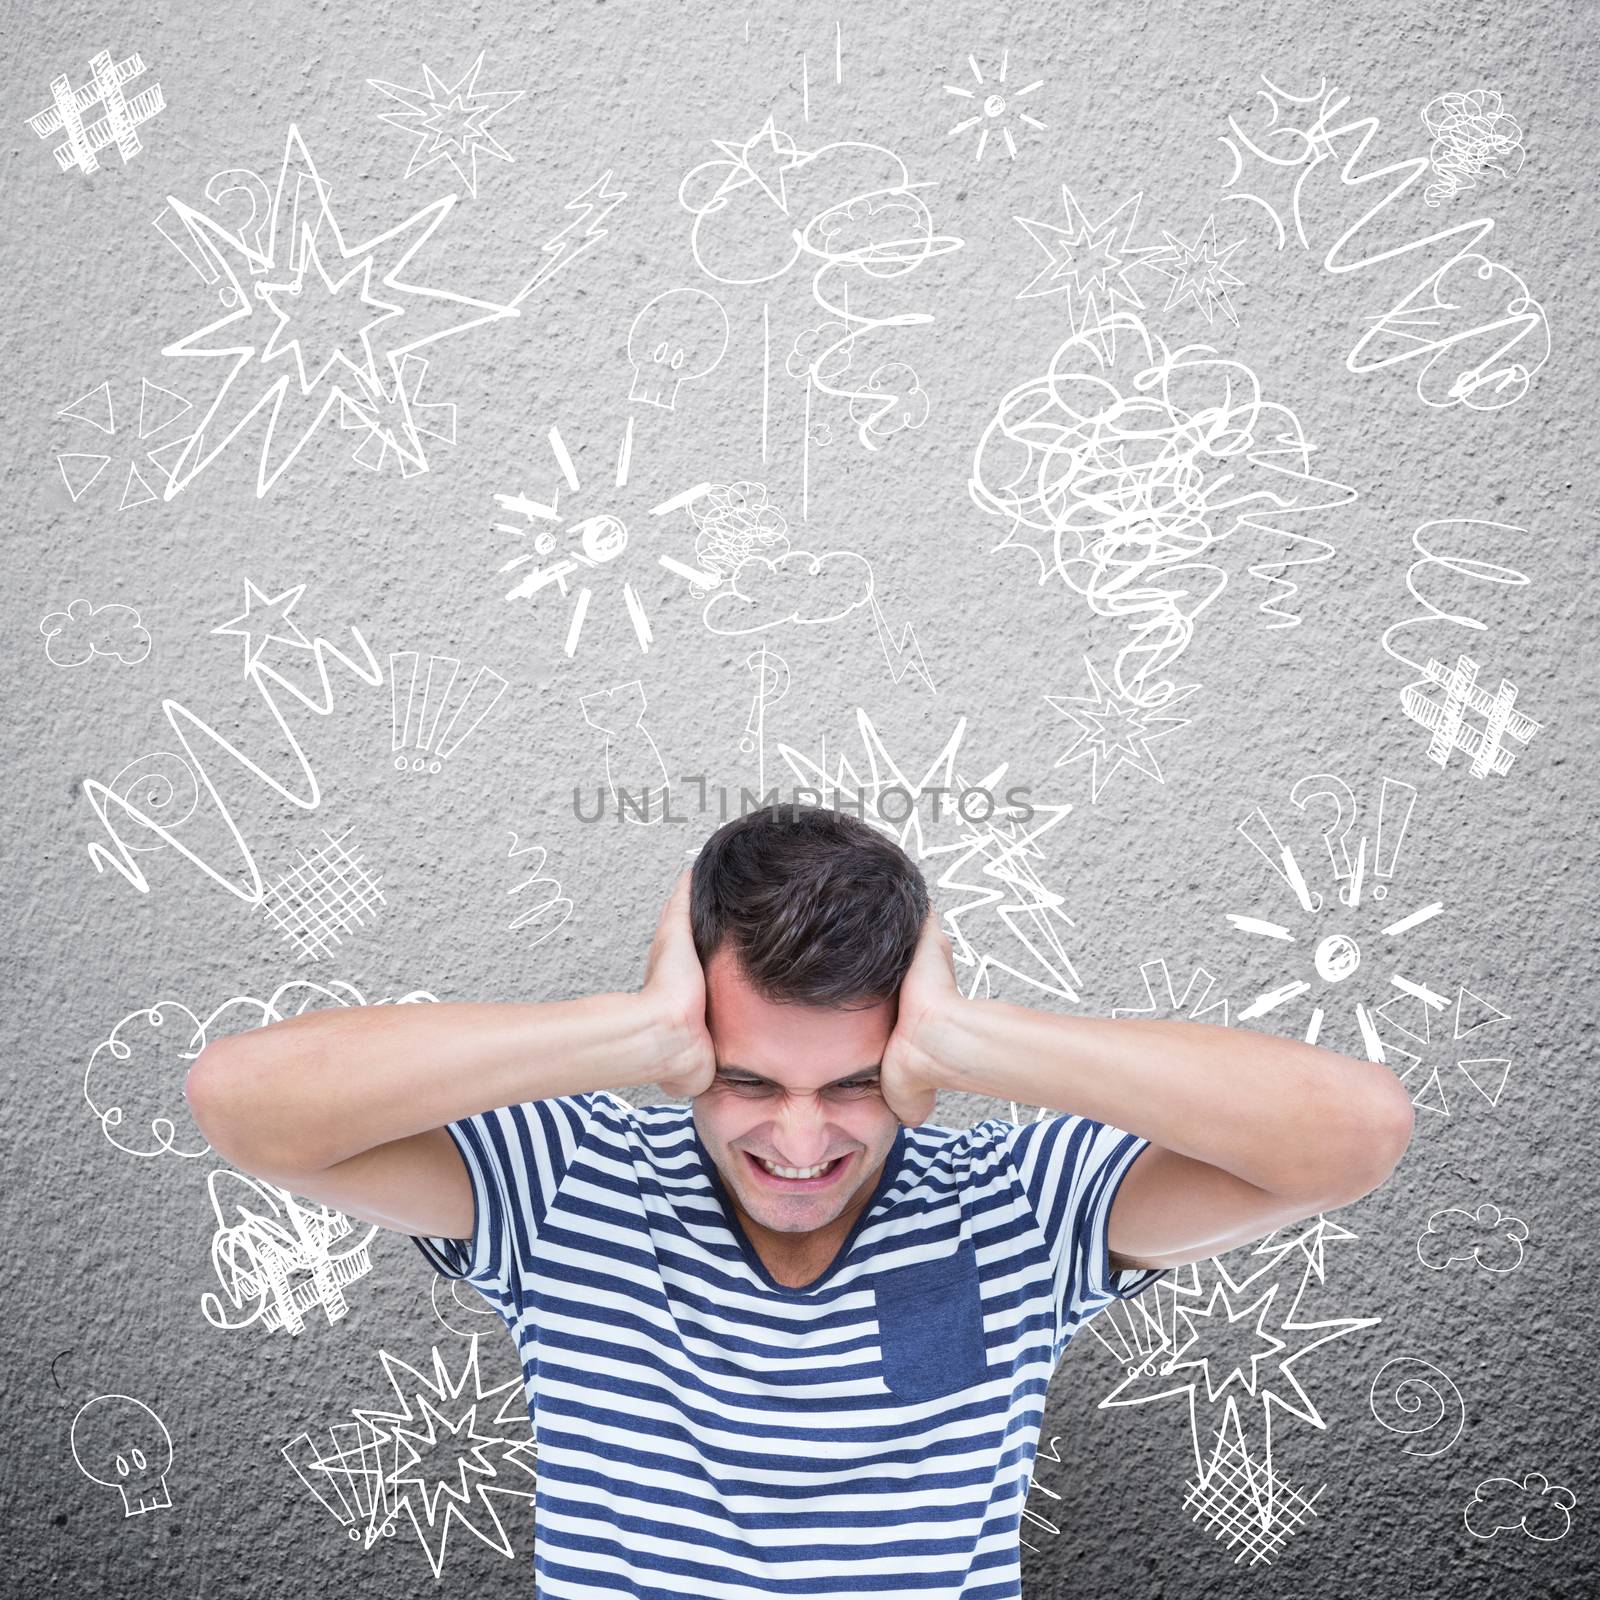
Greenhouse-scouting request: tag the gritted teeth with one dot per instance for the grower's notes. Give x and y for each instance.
(797, 1172)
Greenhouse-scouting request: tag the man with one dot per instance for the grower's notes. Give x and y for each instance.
(790, 1339)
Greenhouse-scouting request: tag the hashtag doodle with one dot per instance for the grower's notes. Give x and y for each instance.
(1445, 716)
(120, 124)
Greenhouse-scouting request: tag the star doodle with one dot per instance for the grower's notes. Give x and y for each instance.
(265, 618)
(1199, 271)
(762, 159)
(1117, 728)
(451, 123)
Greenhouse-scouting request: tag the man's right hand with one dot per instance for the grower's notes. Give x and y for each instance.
(675, 988)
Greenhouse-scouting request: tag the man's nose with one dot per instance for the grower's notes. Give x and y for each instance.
(800, 1131)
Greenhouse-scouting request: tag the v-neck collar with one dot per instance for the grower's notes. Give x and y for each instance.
(891, 1169)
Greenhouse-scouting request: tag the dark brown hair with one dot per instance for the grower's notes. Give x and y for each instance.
(820, 909)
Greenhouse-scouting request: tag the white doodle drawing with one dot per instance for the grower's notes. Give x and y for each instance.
(455, 1313)
(1199, 271)
(1458, 713)
(159, 408)
(325, 331)
(772, 685)
(120, 118)
(318, 903)
(1541, 1509)
(134, 1081)
(1428, 1400)
(1327, 961)
(443, 1457)
(419, 690)
(1417, 1040)
(632, 761)
(265, 620)
(1479, 336)
(1227, 1353)
(996, 106)
(1115, 729)
(275, 1254)
(979, 848)
(1085, 262)
(574, 239)
(850, 210)
(451, 123)
(1162, 999)
(83, 631)
(1487, 1237)
(755, 581)
(546, 908)
(1135, 468)
(679, 336)
(1472, 133)
(122, 1443)
(591, 543)
(398, 401)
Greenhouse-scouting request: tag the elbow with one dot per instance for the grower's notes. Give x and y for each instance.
(223, 1090)
(1383, 1133)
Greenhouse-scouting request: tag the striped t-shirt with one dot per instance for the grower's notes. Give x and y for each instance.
(703, 1431)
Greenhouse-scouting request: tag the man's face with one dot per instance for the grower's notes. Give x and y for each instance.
(799, 1086)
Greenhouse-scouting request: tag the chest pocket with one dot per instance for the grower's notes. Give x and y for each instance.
(930, 1325)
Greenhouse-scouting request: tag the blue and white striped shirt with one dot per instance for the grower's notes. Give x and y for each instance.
(703, 1431)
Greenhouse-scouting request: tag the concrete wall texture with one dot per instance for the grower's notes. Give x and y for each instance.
(1178, 393)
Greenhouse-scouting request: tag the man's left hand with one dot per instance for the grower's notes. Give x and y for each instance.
(909, 1076)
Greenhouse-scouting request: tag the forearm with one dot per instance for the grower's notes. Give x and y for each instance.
(1291, 1118)
(315, 1089)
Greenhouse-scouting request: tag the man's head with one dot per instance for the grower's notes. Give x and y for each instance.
(805, 922)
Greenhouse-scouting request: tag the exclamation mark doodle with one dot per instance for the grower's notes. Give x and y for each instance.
(1393, 817)
(415, 723)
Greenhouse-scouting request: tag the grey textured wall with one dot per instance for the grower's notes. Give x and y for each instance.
(1225, 535)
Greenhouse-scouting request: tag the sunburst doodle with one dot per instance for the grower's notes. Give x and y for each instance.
(996, 107)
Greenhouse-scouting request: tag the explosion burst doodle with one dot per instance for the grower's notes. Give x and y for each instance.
(1084, 262)
(1199, 271)
(1331, 954)
(984, 863)
(441, 1457)
(994, 109)
(450, 123)
(326, 336)
(586, 544)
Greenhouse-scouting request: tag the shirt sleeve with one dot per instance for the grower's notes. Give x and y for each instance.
(517, 1158)
(1070, 1168)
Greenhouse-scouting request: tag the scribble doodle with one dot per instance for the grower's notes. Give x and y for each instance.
(419, 697)
(1447, 700)
(1536, 1507)
(277, 1255)
(1472, 133)
(121, 120)
(316, 904)
(677, 337)
(1138, 466)
(451, 122)
(442, 1458)
(1426, 1397)
(265, 620)
(84, 630)
(732, 522)
(996, 106)
(546, 908)
(120, 1442)
(1479, 336)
